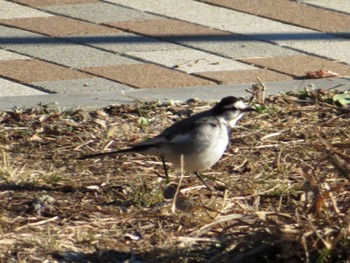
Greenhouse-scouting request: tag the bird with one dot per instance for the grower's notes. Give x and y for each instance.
(201, 138)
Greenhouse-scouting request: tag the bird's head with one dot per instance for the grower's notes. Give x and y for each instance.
(231, 103)
(231, 109)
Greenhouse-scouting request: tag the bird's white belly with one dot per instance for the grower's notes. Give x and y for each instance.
(205, 159)
(207, 154)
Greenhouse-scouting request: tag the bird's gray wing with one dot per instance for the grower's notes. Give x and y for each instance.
(179, 129)
(189, 125)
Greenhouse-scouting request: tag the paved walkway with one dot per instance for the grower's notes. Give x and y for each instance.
(95, 53)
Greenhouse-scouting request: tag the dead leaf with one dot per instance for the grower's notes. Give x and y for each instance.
(319, 74)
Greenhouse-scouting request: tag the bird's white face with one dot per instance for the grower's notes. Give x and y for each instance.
(237, 110)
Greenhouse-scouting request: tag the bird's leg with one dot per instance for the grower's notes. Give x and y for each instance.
(165, 170)
(201, 179)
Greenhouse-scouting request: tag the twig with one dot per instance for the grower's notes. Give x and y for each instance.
(173, 206)
(38, 223)
(270, 135)
(218, 221)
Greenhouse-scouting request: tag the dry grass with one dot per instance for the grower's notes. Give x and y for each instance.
(281, 191)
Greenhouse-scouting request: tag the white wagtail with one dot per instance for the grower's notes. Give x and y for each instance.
(201, 138)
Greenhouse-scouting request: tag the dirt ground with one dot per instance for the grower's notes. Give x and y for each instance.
(281, 192)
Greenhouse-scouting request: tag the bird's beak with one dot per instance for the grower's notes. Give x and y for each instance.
(249, 109)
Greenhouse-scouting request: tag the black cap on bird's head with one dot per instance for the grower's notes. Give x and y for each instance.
(231, 103)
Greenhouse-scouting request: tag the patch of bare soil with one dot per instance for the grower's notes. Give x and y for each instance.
(281, 193)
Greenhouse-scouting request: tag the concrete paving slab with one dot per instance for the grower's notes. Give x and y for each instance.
(211, 93)
(299, 65)
(102, 99)
(72, 55)
(204, 38)
(31, 70)
(290, 12)
(11, 10)
(190, 60)
(220, 91)
(339, 5)
(7, 55)
(81, 86)
(57, 50)
(99, 12)
(237, 47)
(37, 3)
(244, 76)
(335, 48)
(10, 89)
(65, 101)
(40, 3)
(10, 38)
(125, 42)
(58, 26)
(147, 76)
(214, 17)
(166, 28)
